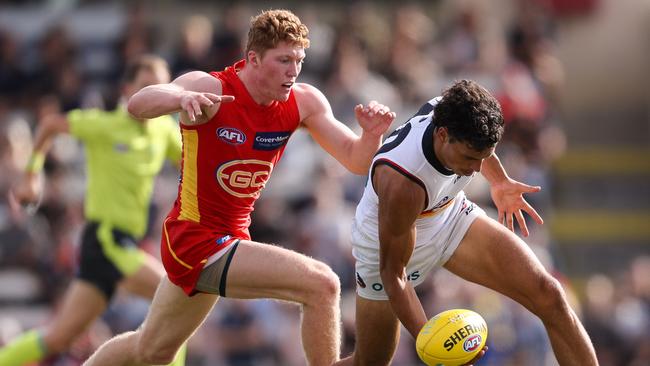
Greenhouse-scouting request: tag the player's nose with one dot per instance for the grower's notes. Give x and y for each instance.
(294, 69)
(476, 167)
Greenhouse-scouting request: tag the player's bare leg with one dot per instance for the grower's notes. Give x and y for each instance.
(266, 271)
(377, 334)
(256, 271)
(145, 280)
(144, 283)
(71, 319)
(172, 319)
(494, 257)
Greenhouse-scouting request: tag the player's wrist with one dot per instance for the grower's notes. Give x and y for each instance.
(35, 163)
(371, 137)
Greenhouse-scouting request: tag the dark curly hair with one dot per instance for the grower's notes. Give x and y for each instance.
(470, 114)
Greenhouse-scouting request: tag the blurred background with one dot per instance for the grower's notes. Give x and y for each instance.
(573, 79)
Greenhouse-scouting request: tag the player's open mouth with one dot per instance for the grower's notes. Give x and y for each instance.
(287, 85)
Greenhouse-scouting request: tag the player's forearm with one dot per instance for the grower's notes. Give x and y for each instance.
(155, 101)
(493, 171)
(47, 129)
(405, 303)
(361, 153)
(43, 140)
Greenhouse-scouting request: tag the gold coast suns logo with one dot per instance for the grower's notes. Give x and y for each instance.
(244, 178)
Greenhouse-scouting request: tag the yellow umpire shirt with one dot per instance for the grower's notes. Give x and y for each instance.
(123, 156)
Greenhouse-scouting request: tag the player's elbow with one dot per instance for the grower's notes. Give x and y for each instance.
(358, 168)
(135, 107)
(391, 280)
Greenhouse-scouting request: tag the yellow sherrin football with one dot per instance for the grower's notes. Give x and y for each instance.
(452, 338)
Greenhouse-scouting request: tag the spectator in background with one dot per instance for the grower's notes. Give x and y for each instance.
(12, 76)
(56, 54)
(354, 80)
(227, 43)
(123, 157)
(616, 313)
(194, 51)
(139, 36)
(410, 64)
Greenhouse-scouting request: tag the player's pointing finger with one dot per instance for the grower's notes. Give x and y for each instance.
(226, 98)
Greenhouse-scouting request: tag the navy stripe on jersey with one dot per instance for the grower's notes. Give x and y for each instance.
(395, 138)
(402, 171)
(429, 152)
(424, 110)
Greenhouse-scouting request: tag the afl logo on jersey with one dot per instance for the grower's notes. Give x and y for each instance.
(231, 135)
(244, 178)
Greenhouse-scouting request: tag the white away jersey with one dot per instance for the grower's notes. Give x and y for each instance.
(409, 150)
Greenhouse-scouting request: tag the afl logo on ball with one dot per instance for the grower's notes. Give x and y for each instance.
(472, 343)
(231, 135)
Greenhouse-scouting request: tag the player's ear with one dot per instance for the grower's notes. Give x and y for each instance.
(253, 57)
(442, 133)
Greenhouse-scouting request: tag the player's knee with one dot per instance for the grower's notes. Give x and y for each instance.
(157, 356)
(326, 288)
(330, 282)
(151, 352)
(550, 298)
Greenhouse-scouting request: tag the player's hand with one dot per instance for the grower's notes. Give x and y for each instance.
(478, 357)
(375, 118)
(28, 190)
(193, 103)
(27, 194)
(509, 199)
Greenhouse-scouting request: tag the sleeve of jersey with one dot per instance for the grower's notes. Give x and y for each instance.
(85, 124)
(175, 142)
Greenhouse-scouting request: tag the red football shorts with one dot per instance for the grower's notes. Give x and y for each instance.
(185, 248)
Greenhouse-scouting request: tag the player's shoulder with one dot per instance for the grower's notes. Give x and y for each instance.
(310, 99)
(199, 81)
(307, 91)
(428, 106)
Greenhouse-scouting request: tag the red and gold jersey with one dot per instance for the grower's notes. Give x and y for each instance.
(228, 160)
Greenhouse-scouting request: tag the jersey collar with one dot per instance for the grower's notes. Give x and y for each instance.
(429, 151)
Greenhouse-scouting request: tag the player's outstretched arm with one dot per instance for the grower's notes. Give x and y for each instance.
(30, 186)
(195, 94)
(507, 195)
(400, 203)
(352, 151)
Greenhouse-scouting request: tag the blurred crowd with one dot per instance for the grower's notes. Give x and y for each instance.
(402, 55)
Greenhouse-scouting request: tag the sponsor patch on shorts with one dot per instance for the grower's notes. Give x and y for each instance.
(270, 140)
